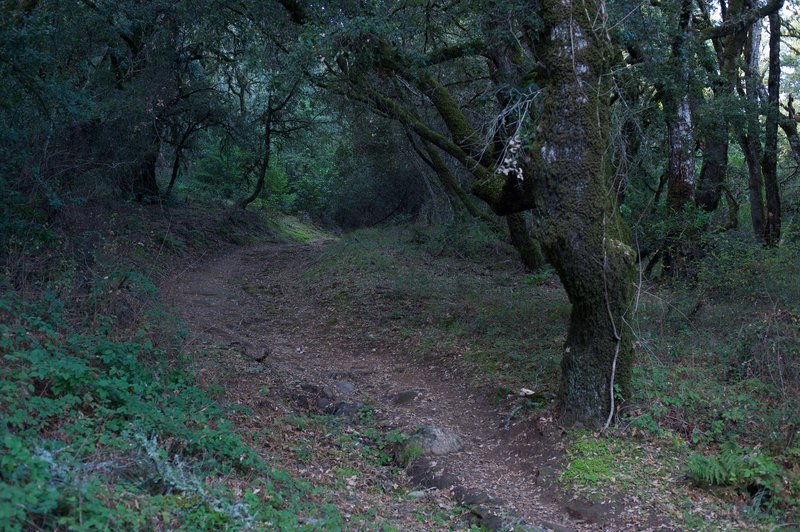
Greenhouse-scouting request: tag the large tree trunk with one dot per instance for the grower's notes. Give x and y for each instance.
(681, 243)
(680, 138)
(579, 227)
(772, 228)
(749, 140)
(530, 252)
(715, 166)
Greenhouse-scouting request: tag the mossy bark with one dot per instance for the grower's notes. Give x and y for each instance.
(772, 225)
(579, 226)
(750, 139)
(453, 187)
(530, 252)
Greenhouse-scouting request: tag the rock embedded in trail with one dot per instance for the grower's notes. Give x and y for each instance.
(405, 398)
(344, 387)
(436, 441)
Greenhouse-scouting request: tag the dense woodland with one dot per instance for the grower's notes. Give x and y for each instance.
(612, 189)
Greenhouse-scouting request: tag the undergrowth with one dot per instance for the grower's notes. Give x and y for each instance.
(718, 359)
(101, 425)
(453, 292)
(100, 432)
(720, 369)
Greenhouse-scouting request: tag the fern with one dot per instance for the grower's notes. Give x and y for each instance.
(735, 466)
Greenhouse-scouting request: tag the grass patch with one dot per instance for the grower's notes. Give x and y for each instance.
(292, 229)
(453, 292)
(595, 462)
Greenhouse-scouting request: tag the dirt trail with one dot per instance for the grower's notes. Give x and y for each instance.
(247, 297)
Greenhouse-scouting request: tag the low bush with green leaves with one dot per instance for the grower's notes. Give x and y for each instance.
(99, 432)
(733, 465)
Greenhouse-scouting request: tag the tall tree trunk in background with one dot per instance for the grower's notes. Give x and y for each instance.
(715, 165)
(772, 228)
(749, 140)
(143, 181)
(680, 138)
(181, 145)
(710, 184)
(578, 222)
(678, 115)
(789, 126)
(264, 168)
(752, 151)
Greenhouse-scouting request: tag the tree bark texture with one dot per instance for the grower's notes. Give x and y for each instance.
(750, 139)
(579, 227)
(681, 244)
(772, 227)
(529, 249)
(715, 167)
(264, 168)
(680, 137)
(788, 124)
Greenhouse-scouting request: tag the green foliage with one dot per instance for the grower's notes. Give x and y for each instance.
(720, 369)
(734, 268)
(226, 171)
(219, 172)
(596, 461)
(741, 467)
(91, 431)
(455, 289)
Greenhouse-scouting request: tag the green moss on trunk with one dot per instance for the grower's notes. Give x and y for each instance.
(579, 226)
(529, 250)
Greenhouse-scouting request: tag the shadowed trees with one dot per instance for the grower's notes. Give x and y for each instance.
(547, 152)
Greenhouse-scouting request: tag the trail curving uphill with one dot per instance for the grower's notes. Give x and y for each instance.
(249, 298)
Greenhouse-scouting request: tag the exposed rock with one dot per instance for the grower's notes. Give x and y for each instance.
(344, 387)
(404, 398)
(469, 498)
(555, 527)
(312, 397)
(424, 474)
(344, 409)
(437, 441)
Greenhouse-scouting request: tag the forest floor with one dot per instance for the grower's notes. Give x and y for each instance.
(266, 341)
(396, 378)
(249, 371)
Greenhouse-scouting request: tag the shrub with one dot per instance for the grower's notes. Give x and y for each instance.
(744, 468)
(93, 427)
